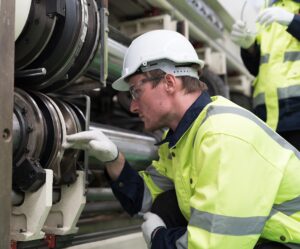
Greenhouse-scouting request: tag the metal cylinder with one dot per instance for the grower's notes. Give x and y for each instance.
(100, 194)
(139, 149)
(104, 206)
(116, 52)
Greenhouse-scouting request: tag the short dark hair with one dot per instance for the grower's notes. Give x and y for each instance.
(189, 84)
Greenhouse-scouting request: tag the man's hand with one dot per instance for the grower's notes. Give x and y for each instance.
(152, 221)
(96, 143)
(241, 35)
(275, 14)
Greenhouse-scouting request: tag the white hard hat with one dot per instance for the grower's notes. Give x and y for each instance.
(159, 49)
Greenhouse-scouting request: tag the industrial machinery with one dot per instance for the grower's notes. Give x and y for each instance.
(67, 54)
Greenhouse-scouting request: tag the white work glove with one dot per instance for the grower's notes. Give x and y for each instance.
(275, 14)
(152, 221)
(241, 35)
(95, 142)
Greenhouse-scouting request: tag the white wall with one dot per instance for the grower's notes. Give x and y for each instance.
(250, 12)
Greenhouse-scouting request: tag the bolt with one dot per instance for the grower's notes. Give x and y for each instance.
(6, 134)
(23, 111)
(29, 129)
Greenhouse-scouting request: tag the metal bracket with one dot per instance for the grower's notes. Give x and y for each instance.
(28, 219)
(64, 215)
(56, 7)
(103, 42)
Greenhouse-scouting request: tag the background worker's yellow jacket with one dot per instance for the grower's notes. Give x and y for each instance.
(278, 79)
(236, 180)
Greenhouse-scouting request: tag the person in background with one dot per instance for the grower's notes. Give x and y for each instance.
(273, 56)
(224, 179)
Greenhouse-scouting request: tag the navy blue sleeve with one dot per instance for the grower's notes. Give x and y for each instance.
(251, 58)
(129, 189)
(166, 238)
(294, 27)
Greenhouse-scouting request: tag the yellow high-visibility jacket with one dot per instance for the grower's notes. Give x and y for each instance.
(279, 74)
(236, 180)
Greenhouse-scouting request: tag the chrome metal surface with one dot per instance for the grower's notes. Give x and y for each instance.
(103, 206)
(100, 194)
(55, 130)
(139, 149)
(116, 52)
(31, 131)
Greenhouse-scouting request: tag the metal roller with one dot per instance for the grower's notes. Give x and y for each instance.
(28, 143)
(22, 9)
(36, 33)
(88, 50)
(40, 126)
(58, 43)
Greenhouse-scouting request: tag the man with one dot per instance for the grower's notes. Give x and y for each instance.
(235, 180)
(273, 56)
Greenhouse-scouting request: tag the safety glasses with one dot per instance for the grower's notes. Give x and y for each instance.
(135, 90)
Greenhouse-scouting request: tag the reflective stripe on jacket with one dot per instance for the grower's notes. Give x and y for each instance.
(236, 180)
(279, 74)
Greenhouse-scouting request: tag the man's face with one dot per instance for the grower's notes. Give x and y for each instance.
(148, 102)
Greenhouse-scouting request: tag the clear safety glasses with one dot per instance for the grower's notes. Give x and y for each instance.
(135, 90)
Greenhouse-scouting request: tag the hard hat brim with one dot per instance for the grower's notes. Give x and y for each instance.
(120, 84)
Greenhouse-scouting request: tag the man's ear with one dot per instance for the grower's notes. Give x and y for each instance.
(170, 83)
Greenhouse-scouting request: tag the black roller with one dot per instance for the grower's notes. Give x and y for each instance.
(35, 36)
(62, 49)
(87, 52)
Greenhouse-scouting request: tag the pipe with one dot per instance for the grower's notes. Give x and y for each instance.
(100, 194)
(137, 148)
(103, 206)
(116, 53)
(18, 198)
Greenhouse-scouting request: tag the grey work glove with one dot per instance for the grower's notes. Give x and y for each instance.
(152, 221)
(275, 14)
(95, 142)
(241, 35)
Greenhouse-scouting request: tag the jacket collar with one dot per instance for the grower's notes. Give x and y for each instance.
(188, 118)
